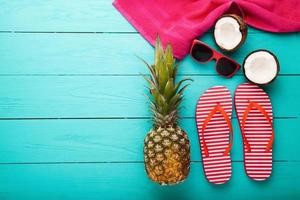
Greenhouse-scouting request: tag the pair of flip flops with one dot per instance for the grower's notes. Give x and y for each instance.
(255, 116)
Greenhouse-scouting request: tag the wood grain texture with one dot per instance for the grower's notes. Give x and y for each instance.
(73, 114)
(113, 140)
(117, 96)
(60, 16)
(114, 181)
(116, 54)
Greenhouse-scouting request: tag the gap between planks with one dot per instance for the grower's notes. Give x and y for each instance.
(108, 118)
(134, 75)
(116, 162)
(87, 32)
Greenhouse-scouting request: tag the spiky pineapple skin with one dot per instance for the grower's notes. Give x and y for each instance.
(166, 147)
(167, 155)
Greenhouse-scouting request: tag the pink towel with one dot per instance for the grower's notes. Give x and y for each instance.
(180, 21)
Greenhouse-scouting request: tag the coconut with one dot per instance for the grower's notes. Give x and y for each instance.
(230, 32)
(261, 67)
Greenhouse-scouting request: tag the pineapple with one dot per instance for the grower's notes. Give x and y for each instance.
(166, 146)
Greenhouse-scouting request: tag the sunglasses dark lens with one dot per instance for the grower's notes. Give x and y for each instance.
(201, 52)
(226, 67)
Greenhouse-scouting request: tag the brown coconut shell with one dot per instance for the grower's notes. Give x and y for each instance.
(276, 60)
(243, 29)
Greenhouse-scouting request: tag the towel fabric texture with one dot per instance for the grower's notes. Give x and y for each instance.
(180, 21)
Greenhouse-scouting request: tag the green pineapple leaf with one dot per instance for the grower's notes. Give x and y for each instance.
(158, 51)
(169, 89)
(177, 86)
(166, 94)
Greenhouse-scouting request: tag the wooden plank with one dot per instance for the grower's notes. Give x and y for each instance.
(59, 15)
(114, 181)
(113, 96)
(62, 16)
(102, 54)
(40, 141)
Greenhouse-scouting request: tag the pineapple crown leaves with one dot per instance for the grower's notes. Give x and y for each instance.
(166, 93)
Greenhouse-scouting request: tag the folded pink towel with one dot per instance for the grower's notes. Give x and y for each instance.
(180, 21)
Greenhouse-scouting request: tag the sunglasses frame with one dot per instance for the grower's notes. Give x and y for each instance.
(215, 56)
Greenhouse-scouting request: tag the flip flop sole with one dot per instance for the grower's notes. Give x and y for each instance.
(257, 130)
(217, 166)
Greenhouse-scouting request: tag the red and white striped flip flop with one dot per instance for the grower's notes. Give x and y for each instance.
(213, 118)
(254, 111)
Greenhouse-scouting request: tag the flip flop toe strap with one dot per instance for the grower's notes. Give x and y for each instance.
(250, 106)
(217, 108)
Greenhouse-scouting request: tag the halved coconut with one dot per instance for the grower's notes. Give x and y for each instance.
(230, 32)
(261, 67)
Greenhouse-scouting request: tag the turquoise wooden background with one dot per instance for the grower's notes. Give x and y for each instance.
(73, 115)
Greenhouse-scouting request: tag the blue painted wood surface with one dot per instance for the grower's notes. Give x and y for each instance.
(73, 115)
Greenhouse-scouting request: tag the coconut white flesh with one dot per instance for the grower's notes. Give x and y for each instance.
(227, 33)
(260, 67)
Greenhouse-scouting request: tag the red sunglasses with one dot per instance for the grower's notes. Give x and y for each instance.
(203, 53)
